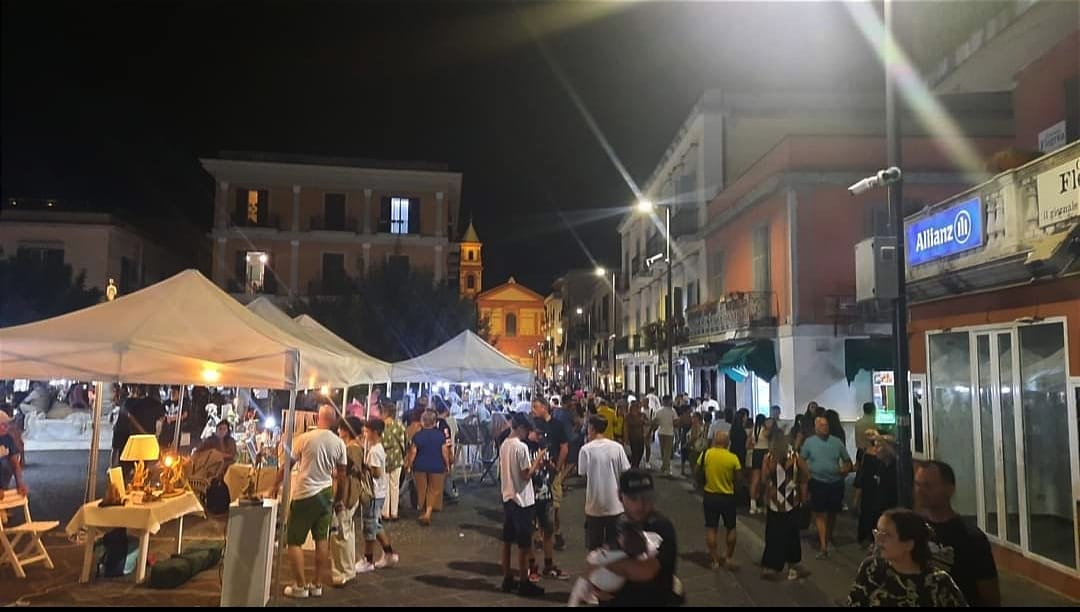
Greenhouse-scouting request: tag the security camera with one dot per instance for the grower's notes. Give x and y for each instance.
(652, 260)
(881, 179)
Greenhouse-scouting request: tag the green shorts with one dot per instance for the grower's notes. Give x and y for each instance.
(311, 514)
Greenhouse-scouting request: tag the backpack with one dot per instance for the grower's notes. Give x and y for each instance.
(217, 497)
(365, 482)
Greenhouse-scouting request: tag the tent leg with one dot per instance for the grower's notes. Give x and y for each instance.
(179, 420)
(286, 490)
(345, 401)
(91, 477)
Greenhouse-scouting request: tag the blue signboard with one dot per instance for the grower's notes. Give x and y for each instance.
(954, 230)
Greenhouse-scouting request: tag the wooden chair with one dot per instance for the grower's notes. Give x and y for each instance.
(13, 549)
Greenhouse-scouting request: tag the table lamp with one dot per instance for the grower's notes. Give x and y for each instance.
(141, 448)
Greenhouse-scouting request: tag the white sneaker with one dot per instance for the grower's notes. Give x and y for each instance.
(387, 561)
(296, 591)
(363, 567)
(314, 590)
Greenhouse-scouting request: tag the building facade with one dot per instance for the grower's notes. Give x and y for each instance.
(297, 226)
(100, 244)
(995, 306)
(515, 317)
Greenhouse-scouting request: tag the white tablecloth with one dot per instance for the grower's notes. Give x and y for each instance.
(143, 517)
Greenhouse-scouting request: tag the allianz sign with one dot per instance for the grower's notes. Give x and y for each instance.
(954, 230)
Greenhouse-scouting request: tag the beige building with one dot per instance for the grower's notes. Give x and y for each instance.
(98, 243)
(298, 226)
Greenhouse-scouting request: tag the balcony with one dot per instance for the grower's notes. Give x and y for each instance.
(269, 286)
(1020, 225)
(731, 314)
(330, 287)
(264, 221)
(322, 224)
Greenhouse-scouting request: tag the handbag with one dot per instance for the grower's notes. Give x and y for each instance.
(699, 473)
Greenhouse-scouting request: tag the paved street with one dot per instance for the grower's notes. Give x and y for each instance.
(455, 562)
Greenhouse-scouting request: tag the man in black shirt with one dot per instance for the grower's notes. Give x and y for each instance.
(649, 582)
(555, 440)
(958, 548)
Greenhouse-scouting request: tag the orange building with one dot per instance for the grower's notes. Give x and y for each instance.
(516, 315)
(471, 266)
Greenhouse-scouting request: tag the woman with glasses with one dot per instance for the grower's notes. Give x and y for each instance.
(900, 573)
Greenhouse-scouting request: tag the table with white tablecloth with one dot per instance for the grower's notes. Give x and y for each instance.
(144, 518)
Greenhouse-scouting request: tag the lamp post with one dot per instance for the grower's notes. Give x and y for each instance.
(646, 206)
(601, 272)
(583, 350)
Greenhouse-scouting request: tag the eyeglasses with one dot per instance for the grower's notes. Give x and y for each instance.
(878, 533)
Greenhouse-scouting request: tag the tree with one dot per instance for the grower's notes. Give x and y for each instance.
(395, 313)
(32, 289)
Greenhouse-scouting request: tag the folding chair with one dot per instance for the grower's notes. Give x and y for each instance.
(14, 551)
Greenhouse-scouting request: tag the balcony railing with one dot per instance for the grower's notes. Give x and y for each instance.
(734, 312)
(264, 221)
(322, 224)
(330, 286)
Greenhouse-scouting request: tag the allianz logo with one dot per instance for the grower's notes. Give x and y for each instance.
(958, 232)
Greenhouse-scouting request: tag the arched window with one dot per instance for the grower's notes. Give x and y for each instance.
(511, 325)
(472, 255)
(470, 281)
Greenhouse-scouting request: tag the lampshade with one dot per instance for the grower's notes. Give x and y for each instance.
(142, 447)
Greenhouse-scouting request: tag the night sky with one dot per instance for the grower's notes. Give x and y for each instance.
(114, 103)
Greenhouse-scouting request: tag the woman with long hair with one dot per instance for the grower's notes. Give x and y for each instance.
(835, 427)
(785, 482)
(900, 574)
(763, 428)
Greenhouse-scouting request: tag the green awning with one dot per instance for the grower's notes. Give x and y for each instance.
(870, 354)
(758, 357)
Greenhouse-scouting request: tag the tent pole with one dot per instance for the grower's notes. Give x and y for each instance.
(91, 476)
(345, 400)
(286, 484)
(179, 420)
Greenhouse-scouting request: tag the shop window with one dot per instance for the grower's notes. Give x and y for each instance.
(953, 431)
(1044, 385)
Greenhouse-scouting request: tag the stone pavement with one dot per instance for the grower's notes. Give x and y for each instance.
(455, 562)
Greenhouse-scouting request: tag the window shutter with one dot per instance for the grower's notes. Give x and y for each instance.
(384, 216)
(241, 265)
(414, 215)
(264, 208)
(241, 206)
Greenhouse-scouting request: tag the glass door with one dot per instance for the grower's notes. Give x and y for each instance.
(995, 419)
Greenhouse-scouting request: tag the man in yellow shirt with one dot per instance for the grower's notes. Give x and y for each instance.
(720, 466)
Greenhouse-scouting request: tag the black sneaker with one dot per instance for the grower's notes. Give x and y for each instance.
(529, 589)
(560, 543)
(509, 584)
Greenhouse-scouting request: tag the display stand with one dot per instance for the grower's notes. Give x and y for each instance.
(249, 554)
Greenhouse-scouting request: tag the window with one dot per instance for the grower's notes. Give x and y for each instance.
(716, 288)
(762, 280)
(50, 256)
(472, 255)
(334, 209)
(511, 325)
(333, 268)
(692, 289)
(399, 215)
(470, 282)
(252, 208)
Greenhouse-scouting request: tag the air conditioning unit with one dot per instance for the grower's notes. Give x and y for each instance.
(875, 269)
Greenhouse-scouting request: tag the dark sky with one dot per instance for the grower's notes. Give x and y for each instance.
(115, 102)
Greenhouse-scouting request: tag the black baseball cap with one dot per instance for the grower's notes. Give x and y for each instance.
(635, 482)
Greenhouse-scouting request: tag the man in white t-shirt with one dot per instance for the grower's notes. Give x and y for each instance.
(709, 404)
(519, 503)
(601, 461)
(373, 527)
(665, 428)
(321, 461)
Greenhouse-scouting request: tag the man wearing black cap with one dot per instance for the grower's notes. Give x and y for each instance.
(649, 582)
(519, 503)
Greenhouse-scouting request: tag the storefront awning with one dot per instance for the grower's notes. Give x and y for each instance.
(758, 357)
(870, 354)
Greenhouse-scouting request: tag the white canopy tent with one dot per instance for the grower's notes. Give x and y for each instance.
(182, 330)
(465, 358)
(355, 367)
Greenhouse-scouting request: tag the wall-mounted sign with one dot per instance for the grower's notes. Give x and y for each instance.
(1058, 193)
(954, 230)
(1053, 137)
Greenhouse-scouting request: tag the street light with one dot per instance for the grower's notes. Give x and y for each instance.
(584, 350)
(647, 206)
(601, 272)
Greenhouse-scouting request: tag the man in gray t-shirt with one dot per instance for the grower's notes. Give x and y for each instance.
(829, 464)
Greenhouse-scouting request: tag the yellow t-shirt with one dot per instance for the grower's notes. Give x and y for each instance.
(615, 422)
(720, 468)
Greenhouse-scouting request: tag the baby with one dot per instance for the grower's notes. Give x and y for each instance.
(633, 544)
